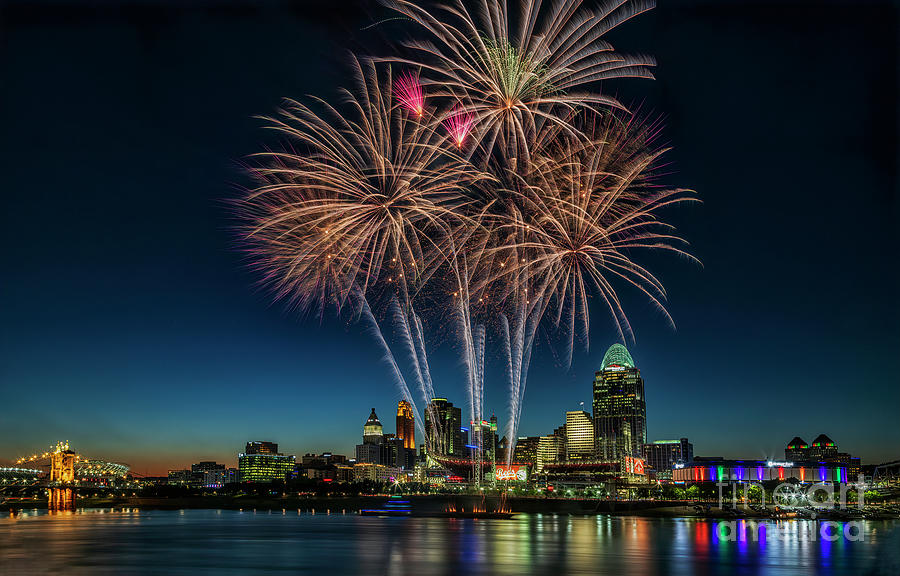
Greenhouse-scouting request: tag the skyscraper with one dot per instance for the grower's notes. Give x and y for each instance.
(406, 425)
(373, 431)
(444, 423)
(373, 437)
(579, 435)
(551, 449)
(526, 449)
(620, 411)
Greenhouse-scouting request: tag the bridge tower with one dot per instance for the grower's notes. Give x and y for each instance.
(62, 473)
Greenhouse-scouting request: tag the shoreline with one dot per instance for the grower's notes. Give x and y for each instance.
(429, 505)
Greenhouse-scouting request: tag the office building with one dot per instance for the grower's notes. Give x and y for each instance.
(620, 410)
(444, 421)
(526, 449)
(551, 449)
(579, 435)
(664, 455)
(822, 449)
(406, 425)
(261, 462)
(209, 474)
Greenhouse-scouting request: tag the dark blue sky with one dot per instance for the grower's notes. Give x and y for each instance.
(130, 326)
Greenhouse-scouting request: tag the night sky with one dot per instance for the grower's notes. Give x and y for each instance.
(131, 326)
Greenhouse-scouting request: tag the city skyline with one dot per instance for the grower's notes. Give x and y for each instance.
(133, 307)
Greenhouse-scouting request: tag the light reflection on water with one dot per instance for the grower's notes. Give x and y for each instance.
(232, 542)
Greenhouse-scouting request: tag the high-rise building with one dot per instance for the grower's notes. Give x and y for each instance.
(444, 423)
(261, 462)
(373, 431)
(579, 435)
(663, 455)
(797, 449)
(526, 449)
(620, 410)
(406, 425)
(551, 449)
(823, 448)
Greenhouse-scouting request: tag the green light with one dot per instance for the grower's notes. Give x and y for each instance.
(617, 354)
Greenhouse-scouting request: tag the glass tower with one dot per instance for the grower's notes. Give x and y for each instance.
(620, 411)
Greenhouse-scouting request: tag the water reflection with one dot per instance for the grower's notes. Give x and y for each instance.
(132, 541)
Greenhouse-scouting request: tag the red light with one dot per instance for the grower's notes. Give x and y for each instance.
(326, 479)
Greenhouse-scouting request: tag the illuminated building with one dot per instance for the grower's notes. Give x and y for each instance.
(579, 435)
(742, 471)
(232, 476)
(551, 449)
(263, 463)
(526, 449)
(664, 455)
(822, 449)
(406, 425)
(375, 472)
(373, 432)
(373, 437)
(490, 440)
(620, 410)
(209, 474)
(180, 477)
(383, 449)
(444, 423)
(797, 449)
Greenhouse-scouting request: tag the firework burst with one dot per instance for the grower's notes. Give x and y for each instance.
(585, 210)
(351, 201)
(409, 93)
(514, 80)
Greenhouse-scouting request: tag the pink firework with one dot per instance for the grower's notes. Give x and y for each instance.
(459, 124)
(409, 92)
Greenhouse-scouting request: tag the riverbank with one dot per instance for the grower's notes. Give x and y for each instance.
(420, 505)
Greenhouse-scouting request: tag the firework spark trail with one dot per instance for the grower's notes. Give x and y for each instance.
(590, 206)
(365, 312)
(458, 124)
(409, 93)
(409, 326)
(517, 345)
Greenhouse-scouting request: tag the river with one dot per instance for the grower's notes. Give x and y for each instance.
(226, 542)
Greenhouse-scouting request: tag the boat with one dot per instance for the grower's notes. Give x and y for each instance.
(395, 506)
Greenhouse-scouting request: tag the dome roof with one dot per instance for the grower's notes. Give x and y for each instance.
(797, 442)
(823, 440)
(617, 355)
